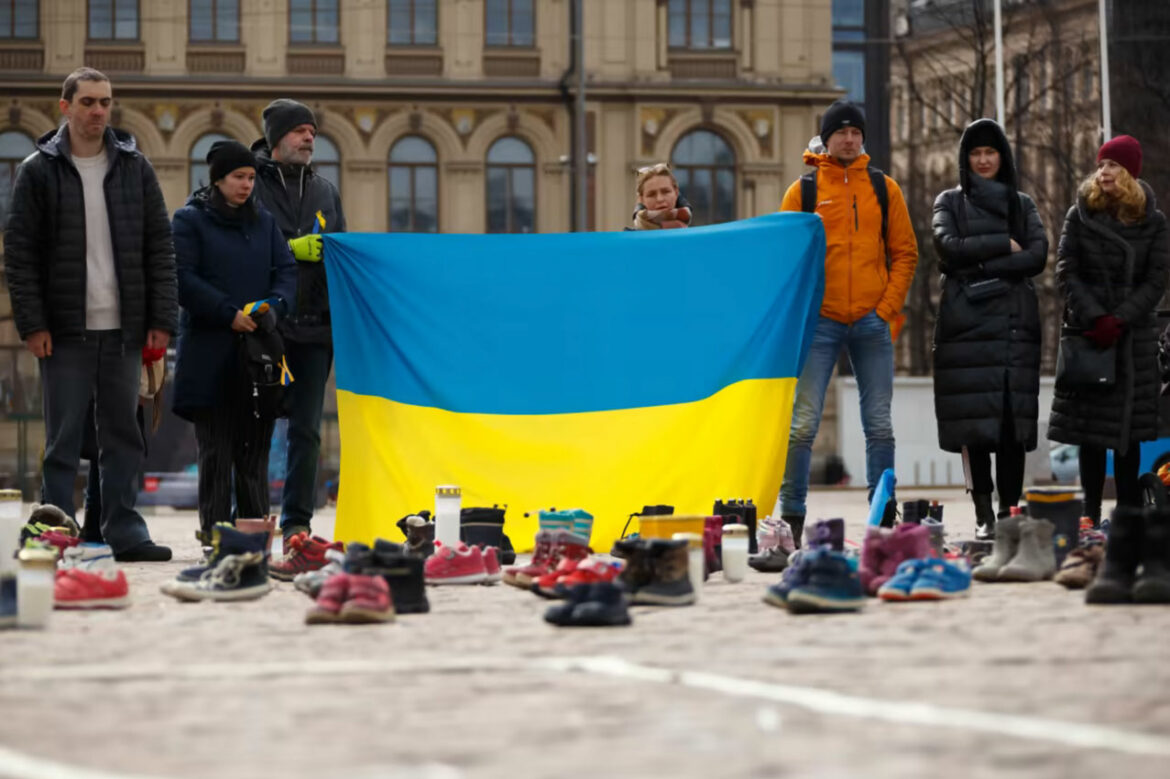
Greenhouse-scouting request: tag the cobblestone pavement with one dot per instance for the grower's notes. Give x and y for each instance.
(217, 690)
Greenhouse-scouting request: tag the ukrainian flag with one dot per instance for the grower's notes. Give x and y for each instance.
(600, 370)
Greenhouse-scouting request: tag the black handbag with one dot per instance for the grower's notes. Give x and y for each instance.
(1080, 363)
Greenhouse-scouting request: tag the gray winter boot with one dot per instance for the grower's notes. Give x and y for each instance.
(1007, 543)
(1035, 560)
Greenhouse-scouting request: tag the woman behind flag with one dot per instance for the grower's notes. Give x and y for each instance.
(659, 204)
(231, 259)
(990, 244)
(1111, 268)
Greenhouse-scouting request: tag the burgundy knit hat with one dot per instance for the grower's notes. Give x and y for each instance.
(1125, 151)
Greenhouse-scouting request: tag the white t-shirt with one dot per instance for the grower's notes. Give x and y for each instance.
(101, 277)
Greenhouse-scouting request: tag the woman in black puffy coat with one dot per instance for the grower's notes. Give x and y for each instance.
(1111, 268)
(990, 244)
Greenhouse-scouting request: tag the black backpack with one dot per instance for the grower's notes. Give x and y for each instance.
(877, 179)
(263, 366)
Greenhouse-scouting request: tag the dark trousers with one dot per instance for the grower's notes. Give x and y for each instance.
(233, 452)
(104, 371)
(1125, 474)
(1009, 472)
(91, 530)
(309, 364)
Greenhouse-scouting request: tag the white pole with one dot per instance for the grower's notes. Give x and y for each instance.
(999, 109)
(1106, 112)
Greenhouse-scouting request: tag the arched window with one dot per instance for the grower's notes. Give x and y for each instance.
(327, 160)
(704, 165)
(14, 147)
(414, 186)
(198, 160)
(511, 187)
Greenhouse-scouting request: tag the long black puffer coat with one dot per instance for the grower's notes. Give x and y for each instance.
(1106, 267)
(987, 335)
(44, 246)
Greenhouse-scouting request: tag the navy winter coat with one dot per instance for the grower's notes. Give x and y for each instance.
(223, 264)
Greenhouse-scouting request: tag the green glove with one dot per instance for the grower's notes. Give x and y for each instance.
(307, 248)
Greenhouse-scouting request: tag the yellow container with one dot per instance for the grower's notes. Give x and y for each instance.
(666, 526)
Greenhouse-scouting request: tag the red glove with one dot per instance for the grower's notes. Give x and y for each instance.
(1106, 330)
(152, 355)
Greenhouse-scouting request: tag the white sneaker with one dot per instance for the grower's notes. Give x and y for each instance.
(95, 558)
(310, 582)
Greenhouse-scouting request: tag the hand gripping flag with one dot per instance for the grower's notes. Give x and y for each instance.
(601, 370)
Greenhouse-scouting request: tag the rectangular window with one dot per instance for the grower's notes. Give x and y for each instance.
(113, 20)
(699, 24)
(214, 21)
(313, 21)
(849, 73)
(18, 19)
(412, 23)
(510, 23)
(848, 21)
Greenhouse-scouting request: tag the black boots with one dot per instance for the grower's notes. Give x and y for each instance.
(485, 527)
(1123, 554)
(984, 516)
(1153, 586)
(656, 573)
(796, 522)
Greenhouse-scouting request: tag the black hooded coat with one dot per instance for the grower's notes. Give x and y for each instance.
(1107, 267)
(987, 335)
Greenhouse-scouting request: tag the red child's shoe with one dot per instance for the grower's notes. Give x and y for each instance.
(306, 553)
(369, 601)
(78, 589)
(329, 600)
(491, 565)
(455, 565)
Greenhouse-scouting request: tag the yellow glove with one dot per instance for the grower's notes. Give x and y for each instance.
(307, 248)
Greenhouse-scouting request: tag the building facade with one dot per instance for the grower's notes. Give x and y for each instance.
(438, 115)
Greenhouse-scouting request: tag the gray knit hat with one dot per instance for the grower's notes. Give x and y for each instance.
(281, 116)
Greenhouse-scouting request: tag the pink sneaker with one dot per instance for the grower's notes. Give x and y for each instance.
(78, 589)
(491, 564)
(451, 565)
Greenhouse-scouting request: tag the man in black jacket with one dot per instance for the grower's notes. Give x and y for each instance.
(91, 274)
(305, 205)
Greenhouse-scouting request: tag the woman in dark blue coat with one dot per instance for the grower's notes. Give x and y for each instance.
(229, 253)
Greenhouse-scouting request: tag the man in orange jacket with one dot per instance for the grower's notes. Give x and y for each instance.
(867, 275)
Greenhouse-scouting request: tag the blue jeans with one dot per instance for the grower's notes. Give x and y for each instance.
(104, 371)
(309, 364)
(871, 352)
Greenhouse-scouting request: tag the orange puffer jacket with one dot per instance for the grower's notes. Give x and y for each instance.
(856, 278)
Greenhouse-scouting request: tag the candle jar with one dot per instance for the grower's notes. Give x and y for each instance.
(448, 498)
(735, 552)
(694, 559)
(34, 587)
(10, 522)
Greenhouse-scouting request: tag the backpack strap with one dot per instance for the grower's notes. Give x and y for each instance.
(808, 192)
(877, 180)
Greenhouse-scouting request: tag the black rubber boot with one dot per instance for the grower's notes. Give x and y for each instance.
(796, 522)
(984, 516)
(1153, 586)
(1123, 552)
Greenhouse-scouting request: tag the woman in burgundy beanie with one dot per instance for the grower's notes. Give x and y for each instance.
(1111, 269)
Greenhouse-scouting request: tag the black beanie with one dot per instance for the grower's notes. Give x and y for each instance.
(842, 114)
(985, 133)
(226, 156)
(283, 115)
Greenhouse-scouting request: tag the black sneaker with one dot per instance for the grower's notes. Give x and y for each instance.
(403, 573)
(605, 607)
(225, 540)
(234, 578)
(146, 552)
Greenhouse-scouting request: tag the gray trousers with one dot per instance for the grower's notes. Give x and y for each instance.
(104, 370)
